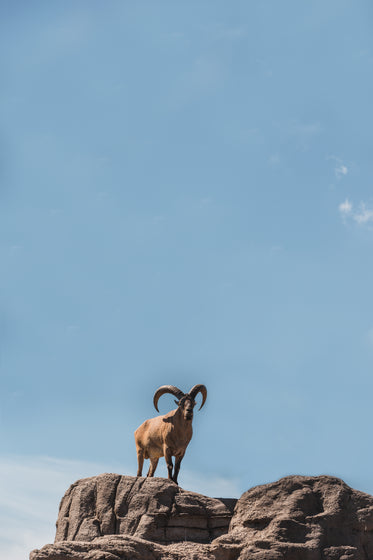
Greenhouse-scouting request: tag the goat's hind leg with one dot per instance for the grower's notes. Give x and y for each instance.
(153, 466)
(178, 460)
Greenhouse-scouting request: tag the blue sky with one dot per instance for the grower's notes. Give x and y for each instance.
(186, 197)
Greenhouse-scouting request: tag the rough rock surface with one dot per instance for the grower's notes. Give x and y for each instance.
(154, 509)
(112, 517)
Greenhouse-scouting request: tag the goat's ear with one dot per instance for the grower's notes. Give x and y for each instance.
(177, 402)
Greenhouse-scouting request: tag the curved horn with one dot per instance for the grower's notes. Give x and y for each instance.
(199, 389)
(166, 389)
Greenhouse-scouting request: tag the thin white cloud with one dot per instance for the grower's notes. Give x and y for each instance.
(274, 159)
(158, 219)
(362, 216)
(305, 133)
(275, 249)
(214, 486)
(226, 32)
(30, 492)
(205, 75)
(14, 250)
(205, 201)
(16, 542)
(340, 171)
(340, 168)
(176, 35)
(102, 195)
(307, 129)
(345, 207)
(31, 489)
(221, 31)
(370, 337)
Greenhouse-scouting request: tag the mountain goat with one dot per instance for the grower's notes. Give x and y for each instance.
(168, 435)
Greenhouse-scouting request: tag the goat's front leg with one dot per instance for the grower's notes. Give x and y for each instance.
(140, 461)
(178, 460)
(168, 458)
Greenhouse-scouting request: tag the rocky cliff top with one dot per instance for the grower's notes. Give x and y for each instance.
(114, 517)
(154, 509)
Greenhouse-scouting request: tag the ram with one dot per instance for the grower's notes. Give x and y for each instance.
(168, 435)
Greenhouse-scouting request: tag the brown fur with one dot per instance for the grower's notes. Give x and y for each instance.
(165, 436)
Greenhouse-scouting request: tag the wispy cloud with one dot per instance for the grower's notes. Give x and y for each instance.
(340, 168)
(274, 159)
(345, 207)
(340, 171)
(158, 219)
(175, 35)
(230, 32)
(307, 129)
(206, 74)
(32, 487)
(369, 337)
(304, 133)
(221, 31)
(30, 491)
(362, 215)
(214, 486)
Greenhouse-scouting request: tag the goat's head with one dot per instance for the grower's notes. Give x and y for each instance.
(186, 405)
(185, 401)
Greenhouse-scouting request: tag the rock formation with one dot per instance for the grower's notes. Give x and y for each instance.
(154, 509)
(113, 517)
